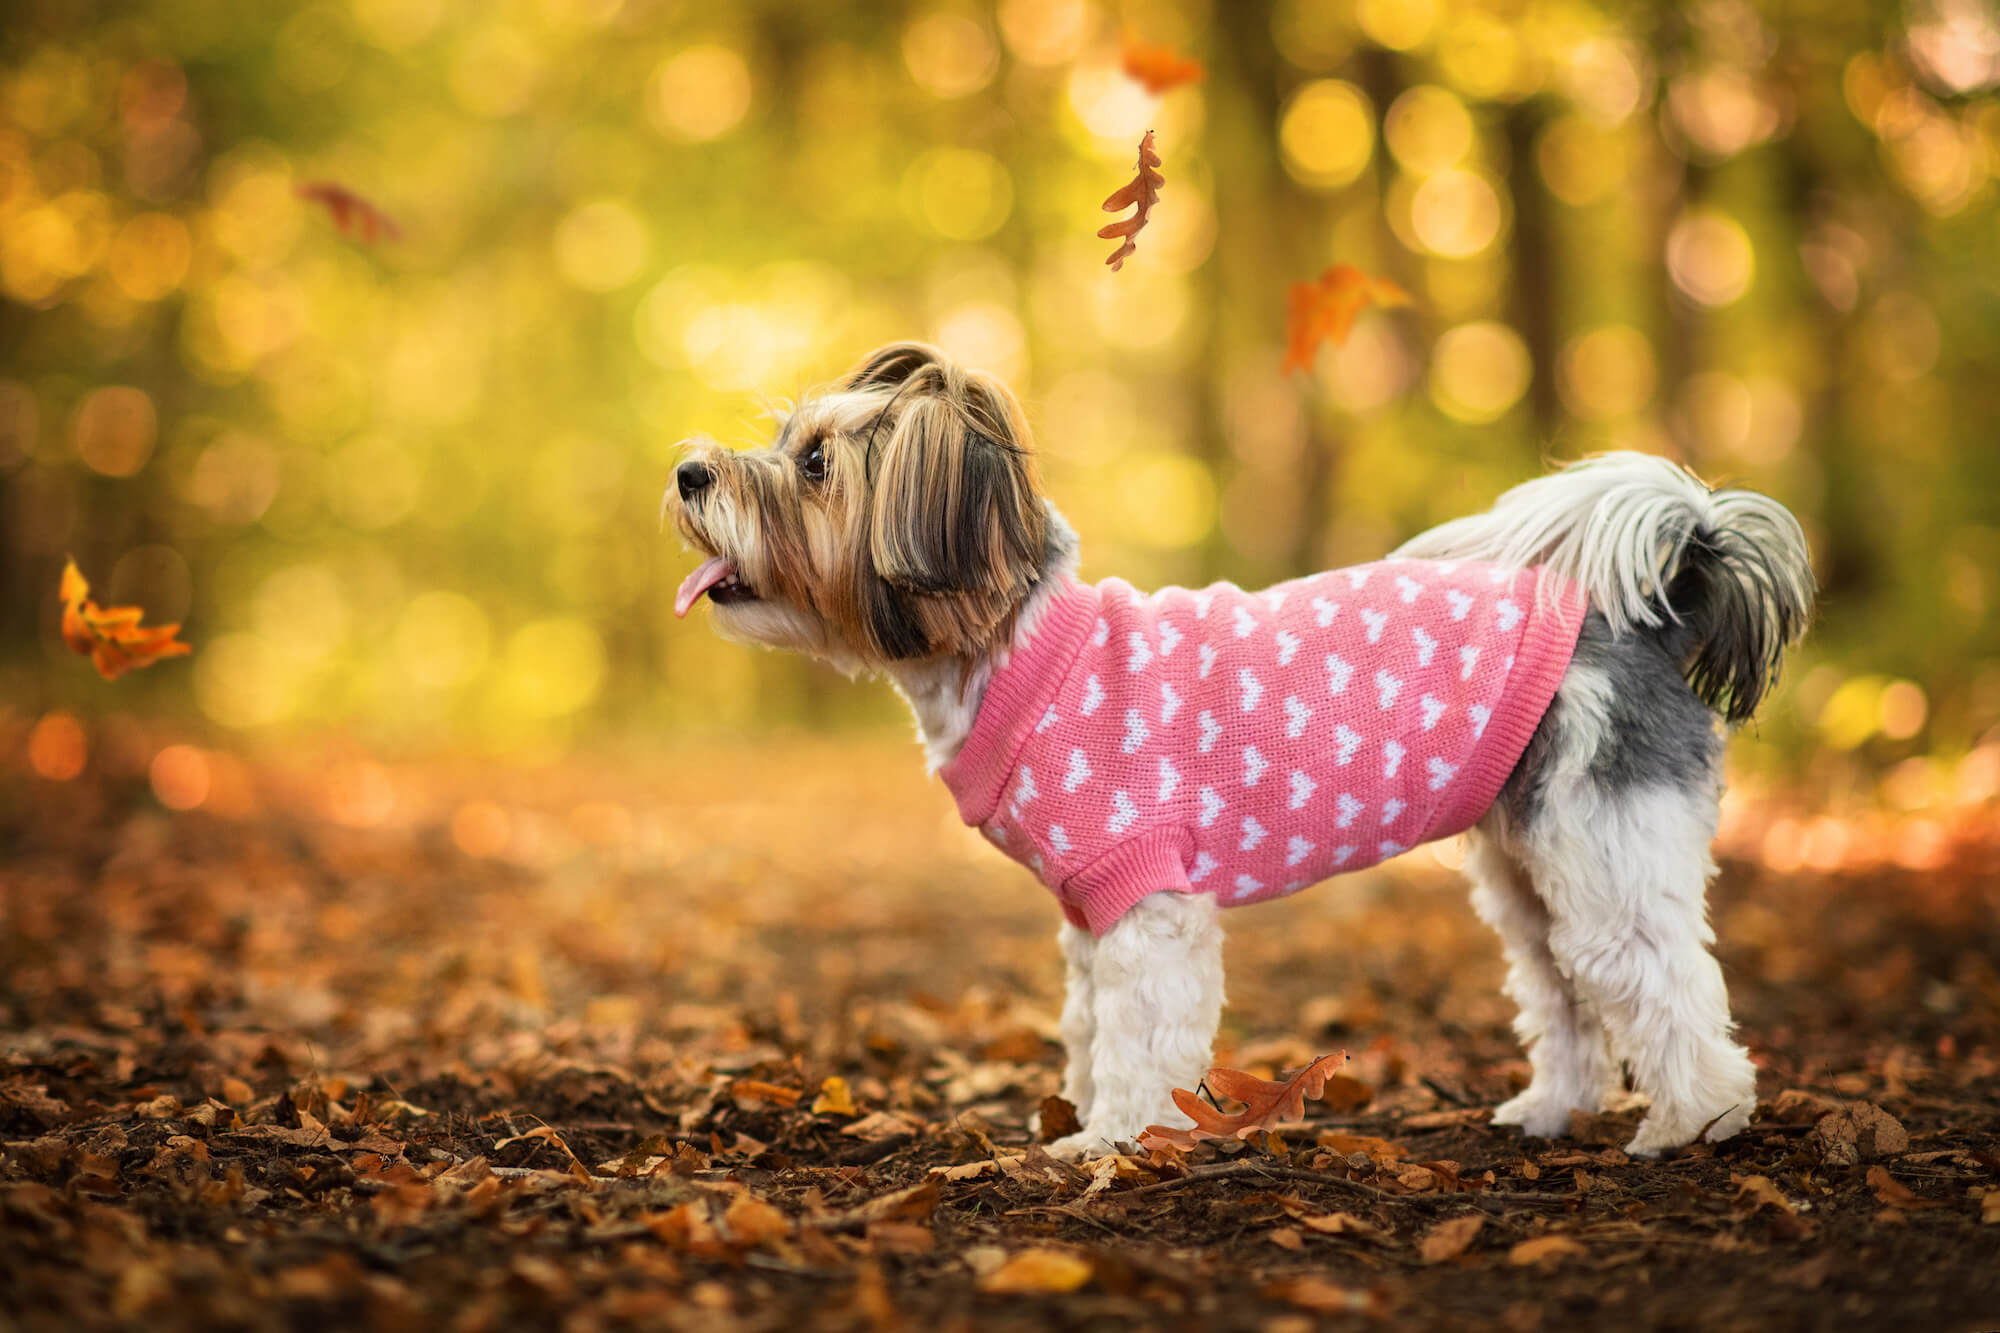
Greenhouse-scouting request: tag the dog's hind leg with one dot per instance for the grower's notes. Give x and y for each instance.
(1563, 1035)
(1156, 997)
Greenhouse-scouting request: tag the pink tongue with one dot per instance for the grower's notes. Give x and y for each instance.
(706, 575)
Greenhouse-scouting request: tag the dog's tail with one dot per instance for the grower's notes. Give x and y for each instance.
(1722, 578)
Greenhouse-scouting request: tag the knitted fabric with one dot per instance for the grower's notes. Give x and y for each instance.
(1250, 744)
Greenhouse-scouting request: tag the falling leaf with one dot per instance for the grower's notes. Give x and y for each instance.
(1058, 1119)
(1139, 195)
(1544, 1250)
(834, 1098)
(1324, 310)
(1047, 1271)
(111, 636)
(352, 215)
(1266, 1104)
(1159, 68)
(1449, 1238)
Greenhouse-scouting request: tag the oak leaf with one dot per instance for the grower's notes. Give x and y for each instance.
(111, 636)
(1139, 195)
(1324, 310)
(1266, 1105)
(1159, 68)
(352, 215)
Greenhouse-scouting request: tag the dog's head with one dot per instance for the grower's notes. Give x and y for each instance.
(895, 516)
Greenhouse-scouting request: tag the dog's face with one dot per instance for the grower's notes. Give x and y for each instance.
(894, 517)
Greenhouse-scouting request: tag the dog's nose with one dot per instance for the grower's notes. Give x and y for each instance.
(693, 478)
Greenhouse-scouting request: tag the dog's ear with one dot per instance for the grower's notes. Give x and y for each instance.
(956, 524)
(888, 366)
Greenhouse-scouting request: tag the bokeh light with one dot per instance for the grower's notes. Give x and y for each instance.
(1710, 258)
(1327, 132)
(949, 54)
(1479, 371)
(699, 94)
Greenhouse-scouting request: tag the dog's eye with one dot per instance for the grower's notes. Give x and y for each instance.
(812, 463)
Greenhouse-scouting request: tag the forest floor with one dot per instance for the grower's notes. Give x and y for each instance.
(450, 1046)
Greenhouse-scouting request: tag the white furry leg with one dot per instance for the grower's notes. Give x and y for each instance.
(1625, 874)
(1563, 1036)
(1079, 1017)
(1156, 984)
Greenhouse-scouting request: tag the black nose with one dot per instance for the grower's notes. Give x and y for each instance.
(694, 478)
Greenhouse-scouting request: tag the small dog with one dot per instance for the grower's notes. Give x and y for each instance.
(1552, 675)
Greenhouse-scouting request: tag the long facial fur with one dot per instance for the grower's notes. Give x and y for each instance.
(922, 540)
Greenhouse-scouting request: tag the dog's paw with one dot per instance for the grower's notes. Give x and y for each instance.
(1541, 1116)
(1665, 1133)
(1087, 1143)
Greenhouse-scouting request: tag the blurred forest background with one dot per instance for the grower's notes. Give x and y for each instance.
(405, 491)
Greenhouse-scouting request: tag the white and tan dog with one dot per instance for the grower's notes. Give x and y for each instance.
(894, 526)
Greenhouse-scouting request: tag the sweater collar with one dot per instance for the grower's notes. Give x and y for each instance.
(1016, 697)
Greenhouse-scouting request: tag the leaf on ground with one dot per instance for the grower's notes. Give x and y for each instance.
(1894, 1192)
(834, 1098)
(353, 216)
(1266, 1104)
(1759, 1192)
(1058, 1119)
(111, 636)
(913, 1203)
(1545, 1250)
(1449, 1238)
(1044, 1271)
(1321, 1296)
(1324, 310)
(1139, 195)
(1989, 1205)
(1379, 1151)
(757, 1090)
(1159, 68)
(1346, 1094)
(1857, 1131)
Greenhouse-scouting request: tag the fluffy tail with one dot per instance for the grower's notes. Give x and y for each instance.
(1723, 578)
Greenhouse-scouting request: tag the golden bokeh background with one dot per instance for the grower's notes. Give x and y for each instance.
(407, 492)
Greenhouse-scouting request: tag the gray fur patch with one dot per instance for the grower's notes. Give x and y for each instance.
(1657, 731)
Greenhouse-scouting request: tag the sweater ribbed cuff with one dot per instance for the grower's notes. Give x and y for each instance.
(1107, 888)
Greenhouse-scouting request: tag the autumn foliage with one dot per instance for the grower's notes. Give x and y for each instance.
(1266, 1104)
(353, 216)
(1159, 68)
(1139, 195)
(111, 636)
(1324, 310)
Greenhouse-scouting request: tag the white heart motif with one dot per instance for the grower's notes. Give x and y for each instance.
(1102, 633)
(1297, 850)
(1324, 611)
(1389, 849)
(1246, 623)
(1079, 771)
(1433, 710)
(1093, 695)
(1253, 833)
(1253, 689)
(1254, 764)
(1026, 791)
(1460, 603)
(1375, 621)
(1288, 644)
(1207, 652)
(1123, 813)
(1349, 810)
(1048, 720)
(1210, 730)
(1342, 855)
(1392, 758)
(1296, 717)
(1204, 865)
(1441, 773)
(1058, 840)
(1141, 652)
(1387, 687)
(1480, 715)
(1169, 638)
(1390, 809)
(1467, 656)
(1302, 788)
(1507, 615)
(1170, 778)
(1357, 577)
(1408, 588)
(1339, 672)
(1274, 597)
(1245, 886)
(1137, 733)
(1426, 645)
(1202, 601)
(1170, 703)
(1348, 740)
(1211, 806)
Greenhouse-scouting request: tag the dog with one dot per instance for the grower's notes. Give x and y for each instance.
(1555, 676)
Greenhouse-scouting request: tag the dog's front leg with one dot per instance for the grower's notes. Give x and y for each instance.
(1079, 1016)
(1156, 997)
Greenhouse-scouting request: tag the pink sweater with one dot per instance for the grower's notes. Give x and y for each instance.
(1249, 744)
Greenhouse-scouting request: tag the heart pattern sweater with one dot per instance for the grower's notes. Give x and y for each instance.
(1250, 744)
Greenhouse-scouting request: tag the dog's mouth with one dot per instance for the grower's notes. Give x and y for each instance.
(717, 577)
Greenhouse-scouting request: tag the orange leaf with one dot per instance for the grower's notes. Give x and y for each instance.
(1324, 310)
(1158, 67)
(1139, 195)
(1266, 1105)
(352, 215)
(112, 636)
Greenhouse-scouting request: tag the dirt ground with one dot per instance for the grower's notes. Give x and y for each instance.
(751, 1038)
